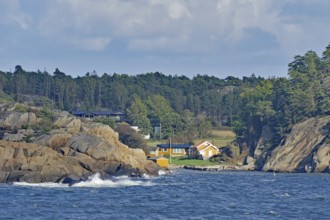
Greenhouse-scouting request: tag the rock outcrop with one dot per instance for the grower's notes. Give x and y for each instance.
(71, 152)
(16, 120)
(305, 149)
(262, 150)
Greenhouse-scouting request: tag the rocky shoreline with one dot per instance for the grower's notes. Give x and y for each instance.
(305, 149)
(34, 149)
(69, 153)
(215, 168)
(208, 168)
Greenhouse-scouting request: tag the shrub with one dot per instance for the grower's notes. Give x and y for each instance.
(46, 114)
(105, 120)
(5, 98)
(47, 119)
(21, 108)
(131, 138)
(26, 126)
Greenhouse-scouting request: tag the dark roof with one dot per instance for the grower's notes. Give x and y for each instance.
(77, 112)
(96, 113)
(101, 113)
(118, 113)
(185, 146)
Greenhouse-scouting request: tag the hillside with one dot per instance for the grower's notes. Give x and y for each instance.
(185, 109)
(62, 148)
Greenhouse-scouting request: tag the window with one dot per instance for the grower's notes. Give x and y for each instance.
(177, 150)
(165, 149)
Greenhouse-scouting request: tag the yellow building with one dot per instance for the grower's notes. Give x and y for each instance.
(173, 149)
(161, 161)
(204, 150)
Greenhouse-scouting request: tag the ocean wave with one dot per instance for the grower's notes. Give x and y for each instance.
(267, 180)
(162, 172)
(95, 181)
(44, 185)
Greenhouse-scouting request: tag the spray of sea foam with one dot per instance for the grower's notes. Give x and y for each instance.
(96, 181)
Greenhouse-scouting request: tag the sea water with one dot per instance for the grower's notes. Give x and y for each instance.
(181, 194)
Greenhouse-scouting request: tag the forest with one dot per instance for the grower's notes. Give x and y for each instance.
(186, 107)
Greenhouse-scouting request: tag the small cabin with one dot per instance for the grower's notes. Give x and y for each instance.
(116, 116)
(173, 149)
(161, 161)
(205, 150)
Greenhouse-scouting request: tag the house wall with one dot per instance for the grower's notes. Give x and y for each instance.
(172, 151)
(206, 153)
(162, 162)
(209, 152)
(153, 153)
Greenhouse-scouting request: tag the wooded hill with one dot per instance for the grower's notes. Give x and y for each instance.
(185, 106)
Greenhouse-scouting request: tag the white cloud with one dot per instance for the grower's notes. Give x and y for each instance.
(172, 24)
(201, 35)
(95, 43)
(11, 13)
(175, 9)
(157, 43)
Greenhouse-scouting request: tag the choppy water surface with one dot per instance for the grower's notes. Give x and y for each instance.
(181, 195)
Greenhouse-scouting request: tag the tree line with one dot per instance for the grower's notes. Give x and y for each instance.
(149, 99)
(279, 103)
(187, 107)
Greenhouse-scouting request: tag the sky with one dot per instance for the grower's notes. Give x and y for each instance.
(176, 37)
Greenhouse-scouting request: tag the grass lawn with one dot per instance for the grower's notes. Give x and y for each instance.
(221, 138)
(216, 141)
(186, 161)
(218, 137)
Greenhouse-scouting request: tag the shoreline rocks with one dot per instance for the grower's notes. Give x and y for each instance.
(305, 149)
(70, 153)
(215, 168)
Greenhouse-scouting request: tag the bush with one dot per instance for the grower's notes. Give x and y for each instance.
(5, 98)
(21, 108)
(47, 119)
(43, 126)
(26, 126)
(131, 138)
(46, 114)
(105, 120)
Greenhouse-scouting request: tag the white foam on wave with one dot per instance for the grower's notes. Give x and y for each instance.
(96, 181)
(267, 180)
(44, 185)
(272, 212)
(166, 172)
(285, 194)
(162, 172)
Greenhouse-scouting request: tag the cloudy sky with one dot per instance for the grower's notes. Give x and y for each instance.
(183, 37)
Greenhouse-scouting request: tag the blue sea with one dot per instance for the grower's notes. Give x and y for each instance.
(183, 194)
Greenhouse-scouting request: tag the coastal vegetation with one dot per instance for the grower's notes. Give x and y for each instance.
(186, 109)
